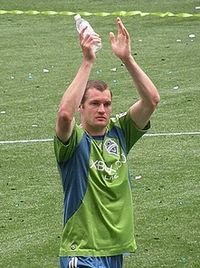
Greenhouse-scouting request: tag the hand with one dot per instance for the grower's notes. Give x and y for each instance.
(120, 44)
(86, 42)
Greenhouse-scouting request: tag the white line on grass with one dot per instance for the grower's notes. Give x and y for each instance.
(146, 135)
(26, 141)
(171, 134)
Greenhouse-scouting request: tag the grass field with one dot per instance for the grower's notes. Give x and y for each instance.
(167, 195)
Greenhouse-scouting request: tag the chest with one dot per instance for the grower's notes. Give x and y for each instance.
(107, 161)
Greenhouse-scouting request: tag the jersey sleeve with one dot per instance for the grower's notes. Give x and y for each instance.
(131, 132)
(64, 151)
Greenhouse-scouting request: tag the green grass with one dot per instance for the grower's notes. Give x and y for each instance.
(166, 198)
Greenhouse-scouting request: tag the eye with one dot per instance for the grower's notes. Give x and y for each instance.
(107, 104)
(95, 103)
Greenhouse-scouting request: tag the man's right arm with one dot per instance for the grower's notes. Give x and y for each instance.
(73, 95)
(70, 102)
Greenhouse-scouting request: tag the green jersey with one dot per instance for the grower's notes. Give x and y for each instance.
(98, 208)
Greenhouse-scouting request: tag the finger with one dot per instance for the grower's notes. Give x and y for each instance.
(81, 34)
(93, 38)
(122, 28)
(118, 25)
(90, 40)
(83, 30)
(84, 35)
(125, 32)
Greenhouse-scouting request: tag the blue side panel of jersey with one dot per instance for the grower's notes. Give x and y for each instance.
(75, 179)
(116, 132)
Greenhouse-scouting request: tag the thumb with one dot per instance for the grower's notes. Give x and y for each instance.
(112, 37)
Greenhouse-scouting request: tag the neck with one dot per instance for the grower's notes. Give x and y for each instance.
(94, 131)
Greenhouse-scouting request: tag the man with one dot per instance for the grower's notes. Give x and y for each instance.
(92, 160)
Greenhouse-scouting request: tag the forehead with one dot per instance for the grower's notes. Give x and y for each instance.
(94, 94)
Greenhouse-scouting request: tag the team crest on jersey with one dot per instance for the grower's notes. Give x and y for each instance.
(111, 147)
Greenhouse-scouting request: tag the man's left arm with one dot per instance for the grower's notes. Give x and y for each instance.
(140, 111)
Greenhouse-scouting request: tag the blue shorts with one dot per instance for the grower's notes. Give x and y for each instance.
(91, 262)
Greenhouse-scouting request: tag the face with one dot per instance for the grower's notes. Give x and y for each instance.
(96, 111)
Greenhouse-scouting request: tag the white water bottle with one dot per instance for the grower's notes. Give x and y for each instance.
(81, 24)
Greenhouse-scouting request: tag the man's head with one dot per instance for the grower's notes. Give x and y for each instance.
(96, 84)
(96, 107)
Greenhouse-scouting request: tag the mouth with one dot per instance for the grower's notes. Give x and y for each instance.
(101, 118)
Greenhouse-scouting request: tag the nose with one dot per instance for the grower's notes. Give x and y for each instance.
(101, 108)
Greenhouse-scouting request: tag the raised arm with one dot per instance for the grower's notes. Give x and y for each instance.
(72, 97)
(140, 111)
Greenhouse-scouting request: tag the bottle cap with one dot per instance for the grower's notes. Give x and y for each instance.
(76, 17)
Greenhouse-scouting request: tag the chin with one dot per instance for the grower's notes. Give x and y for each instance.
(102, 123)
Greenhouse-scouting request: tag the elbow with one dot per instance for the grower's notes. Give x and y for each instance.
(63, 124)
(155, 100)
(64, 117)
(152, 103)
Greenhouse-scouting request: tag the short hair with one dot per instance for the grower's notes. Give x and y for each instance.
(98, 85)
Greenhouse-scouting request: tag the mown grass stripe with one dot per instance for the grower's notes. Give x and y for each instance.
(146, 135)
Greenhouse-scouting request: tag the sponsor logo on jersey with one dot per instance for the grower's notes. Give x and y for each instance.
(110, 172)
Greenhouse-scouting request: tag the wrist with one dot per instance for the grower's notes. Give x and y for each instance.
(87, 63)
(128, 59)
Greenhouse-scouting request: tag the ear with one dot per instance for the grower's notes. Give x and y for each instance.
(80, 107)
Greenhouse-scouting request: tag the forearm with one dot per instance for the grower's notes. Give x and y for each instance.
(70, 102)
(72, 97)
(145, 87)
(140, 111)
